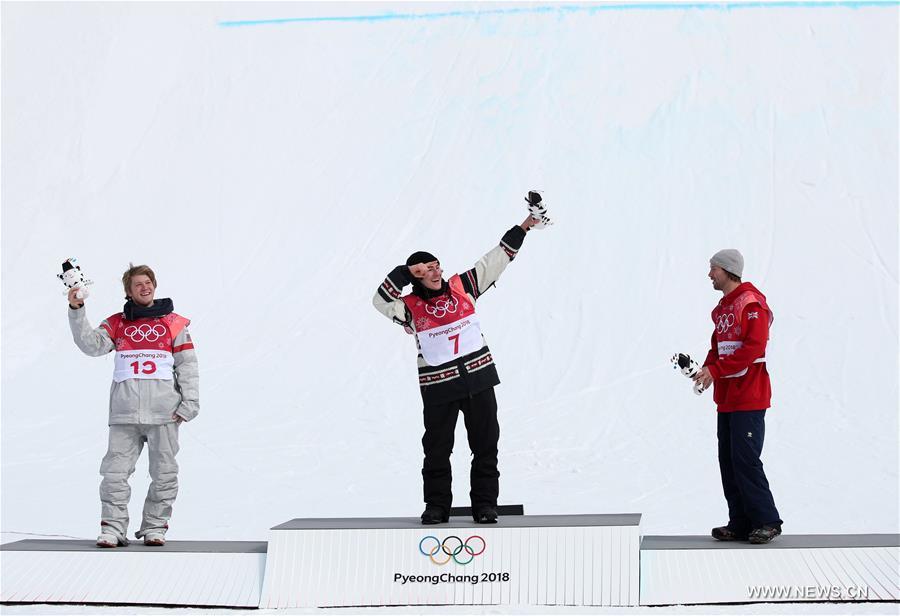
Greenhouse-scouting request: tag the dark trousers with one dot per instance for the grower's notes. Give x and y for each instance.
(750, 503)
(483, 430)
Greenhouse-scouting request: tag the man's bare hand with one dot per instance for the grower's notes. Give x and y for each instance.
(528, 223)
(178, 418)
(74, 301)
(704, 378)
(418, 270)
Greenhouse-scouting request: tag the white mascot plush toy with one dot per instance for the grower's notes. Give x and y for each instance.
(688, 368)
(73, 278)
(538, 209)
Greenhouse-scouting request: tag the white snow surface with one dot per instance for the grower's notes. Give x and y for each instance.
(273, 174)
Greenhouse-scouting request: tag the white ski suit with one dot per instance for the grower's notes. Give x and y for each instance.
(141, 409)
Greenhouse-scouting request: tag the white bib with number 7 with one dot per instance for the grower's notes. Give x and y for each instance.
(448, 342)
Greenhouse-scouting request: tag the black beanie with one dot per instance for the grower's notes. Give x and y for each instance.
(420, 257)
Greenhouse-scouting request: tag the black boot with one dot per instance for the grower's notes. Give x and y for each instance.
(723, 533)
(484, 515)
(765, 534)
(434, 515)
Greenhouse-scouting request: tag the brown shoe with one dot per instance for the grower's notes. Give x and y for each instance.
(723, 533)
(764, 534)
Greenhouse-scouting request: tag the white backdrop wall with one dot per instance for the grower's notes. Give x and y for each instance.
(272, 174)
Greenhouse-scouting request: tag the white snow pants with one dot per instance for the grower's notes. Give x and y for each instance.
(125, 444)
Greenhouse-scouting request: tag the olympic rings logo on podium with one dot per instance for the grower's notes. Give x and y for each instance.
(452, 547)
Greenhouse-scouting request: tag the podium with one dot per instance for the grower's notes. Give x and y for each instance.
(572, 560)
(589, 560)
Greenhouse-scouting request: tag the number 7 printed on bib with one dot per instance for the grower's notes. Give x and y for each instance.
(442, 344)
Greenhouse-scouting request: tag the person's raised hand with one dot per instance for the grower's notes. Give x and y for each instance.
(73, 300)
(418, 270)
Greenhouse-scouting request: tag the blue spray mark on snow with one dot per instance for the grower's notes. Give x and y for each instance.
(561, 9)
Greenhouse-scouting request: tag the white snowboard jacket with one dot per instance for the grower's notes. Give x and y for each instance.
(144, 401)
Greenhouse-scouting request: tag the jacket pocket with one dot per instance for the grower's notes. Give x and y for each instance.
(164, 398)
(124, 402)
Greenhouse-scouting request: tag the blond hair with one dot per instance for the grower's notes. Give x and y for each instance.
(136, 270)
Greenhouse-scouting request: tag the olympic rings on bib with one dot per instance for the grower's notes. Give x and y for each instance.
(442, 307)
(139, 333)
(724, 323)
(452, 547)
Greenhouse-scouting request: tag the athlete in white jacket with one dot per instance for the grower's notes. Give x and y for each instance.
(155, 388)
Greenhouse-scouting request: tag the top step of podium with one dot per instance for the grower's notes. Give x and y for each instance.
(516, 521)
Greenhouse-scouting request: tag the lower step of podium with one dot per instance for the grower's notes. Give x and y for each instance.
(185, 573)
(522, 560)
(793, 568)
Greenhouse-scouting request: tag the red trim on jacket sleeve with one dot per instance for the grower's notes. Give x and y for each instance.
(183, 347)
(110, 324)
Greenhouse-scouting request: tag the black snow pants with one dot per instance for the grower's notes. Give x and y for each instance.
(480, 414)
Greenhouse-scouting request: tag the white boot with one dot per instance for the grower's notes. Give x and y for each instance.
(154, 538)
(109, 540)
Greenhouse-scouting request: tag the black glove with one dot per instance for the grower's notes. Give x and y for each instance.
(405, 274)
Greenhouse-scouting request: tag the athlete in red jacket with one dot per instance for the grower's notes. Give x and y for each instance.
(736, 366)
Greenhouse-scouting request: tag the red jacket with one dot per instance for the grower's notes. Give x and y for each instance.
(737, 358)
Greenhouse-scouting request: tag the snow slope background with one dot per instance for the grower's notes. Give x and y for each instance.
(273, 173)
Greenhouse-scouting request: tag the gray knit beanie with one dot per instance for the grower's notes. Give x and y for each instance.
(730, 260)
